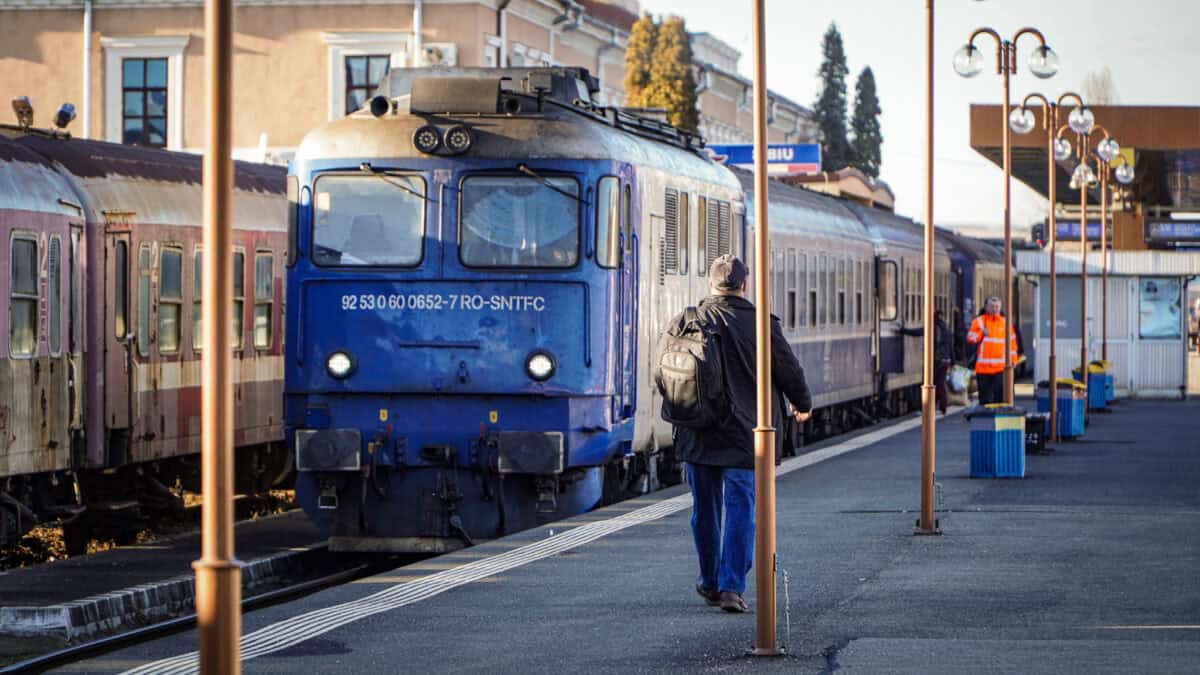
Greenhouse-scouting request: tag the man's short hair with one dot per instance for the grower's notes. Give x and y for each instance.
(727, 273)
(993, 299)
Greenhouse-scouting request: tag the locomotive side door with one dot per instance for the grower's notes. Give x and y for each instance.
(627, 276)
(118, 334)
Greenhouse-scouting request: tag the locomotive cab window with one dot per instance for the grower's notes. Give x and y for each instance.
(608, 222)
(23, 300)
(519, 221)
(170, 300)
(368, 220)
(121, 290)
(264, 298)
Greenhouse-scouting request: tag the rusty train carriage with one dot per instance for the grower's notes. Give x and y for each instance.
(99, 328)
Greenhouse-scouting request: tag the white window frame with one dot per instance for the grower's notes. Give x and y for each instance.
(118, 49)
(341, 45)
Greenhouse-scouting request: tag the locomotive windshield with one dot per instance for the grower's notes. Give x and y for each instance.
(368, 220)
(519, 221)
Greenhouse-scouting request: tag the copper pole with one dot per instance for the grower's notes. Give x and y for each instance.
(764, 433)
(1083, 268)
(1006, 67)
(1104, 262)
(928, 421)
(218, 573)
(1052, 172)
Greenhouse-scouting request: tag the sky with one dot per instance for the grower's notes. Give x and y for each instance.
(1149, 46)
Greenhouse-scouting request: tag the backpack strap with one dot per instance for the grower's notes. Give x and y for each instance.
(690, 315)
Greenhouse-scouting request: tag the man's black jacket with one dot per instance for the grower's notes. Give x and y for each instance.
(732, 443)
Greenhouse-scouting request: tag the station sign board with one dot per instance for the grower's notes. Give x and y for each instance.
(791, 159)
(1173, 232)
(1068, 230)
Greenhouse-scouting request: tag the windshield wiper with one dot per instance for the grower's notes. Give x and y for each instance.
(383, 175)
(546, 181)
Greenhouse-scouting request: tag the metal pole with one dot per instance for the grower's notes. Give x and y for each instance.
(86, 122)
(1006, 67)
(1052, 171)
(1104, 262)
(764, 433)
(218, 574)
(1083, 268)
(928, 421)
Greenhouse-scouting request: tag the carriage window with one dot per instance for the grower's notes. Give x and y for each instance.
(239, 298)
(23, 303)
(143, 326)
(791, 289)
(831, 288)
(264, 298)
(54, 295)
(627, 207)
(858, 291)
(702, 261)
(608, 222)
(519, 221)
(887, 290)
(802, 285)
(73, 322)
(777, 284)
(684, 223)
(369, 220)
(822, 285)
(121, 290)
(724, 242)
(841, 290)
(197, 310)
(170, 300)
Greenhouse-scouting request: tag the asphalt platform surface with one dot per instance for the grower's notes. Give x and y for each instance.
(77, 577)
(1090, 564)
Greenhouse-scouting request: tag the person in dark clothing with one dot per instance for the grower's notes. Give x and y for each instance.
(943, 355)
(720, 460)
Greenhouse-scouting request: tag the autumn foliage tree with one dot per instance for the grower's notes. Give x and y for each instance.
(639, 55)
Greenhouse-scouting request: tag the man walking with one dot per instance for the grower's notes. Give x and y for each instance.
(720, 459)
(987, 334)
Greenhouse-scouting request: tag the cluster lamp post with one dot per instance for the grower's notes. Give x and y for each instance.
(1043, 63)
(1022, 121)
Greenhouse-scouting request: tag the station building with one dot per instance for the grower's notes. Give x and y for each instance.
(1153, 259)
(134, 68)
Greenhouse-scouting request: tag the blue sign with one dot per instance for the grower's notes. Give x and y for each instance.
(1172, 231)
(795, 158)
(1069, 229)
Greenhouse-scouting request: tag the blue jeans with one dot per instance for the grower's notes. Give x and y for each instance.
(723, 567)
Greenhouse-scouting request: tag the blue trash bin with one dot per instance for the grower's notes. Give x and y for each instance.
(1110, 392)
(1097, 389)
(1070, 406)
(997, 442)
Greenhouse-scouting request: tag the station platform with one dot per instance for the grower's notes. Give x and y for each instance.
(1087, 565)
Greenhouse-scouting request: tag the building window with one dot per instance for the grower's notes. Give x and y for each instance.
(264, 297)
(363, 74)
(239, 297)
(23, 303)
(143, 90)
(144, 102)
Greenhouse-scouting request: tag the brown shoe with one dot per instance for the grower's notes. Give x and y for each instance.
(733, 603)
(711, 597)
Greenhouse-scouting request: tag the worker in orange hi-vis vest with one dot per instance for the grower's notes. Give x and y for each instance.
(987, 333)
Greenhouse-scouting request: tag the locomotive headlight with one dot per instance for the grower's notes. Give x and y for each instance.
(427, 139)
(539, 366)
(339, 364)
(457, 139)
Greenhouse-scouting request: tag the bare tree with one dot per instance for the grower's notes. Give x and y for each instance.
(1099, 88)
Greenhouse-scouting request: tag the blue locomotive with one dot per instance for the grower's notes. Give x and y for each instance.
(480, 264)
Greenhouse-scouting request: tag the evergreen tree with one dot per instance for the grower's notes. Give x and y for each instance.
(831, 103)
(672, 84)
(865, 124)
(639, 55)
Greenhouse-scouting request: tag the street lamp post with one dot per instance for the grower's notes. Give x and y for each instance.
(1122, 170)
(1022, 121)
(1043, 63)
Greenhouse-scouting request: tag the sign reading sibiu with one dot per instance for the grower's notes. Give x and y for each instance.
(782, 160)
